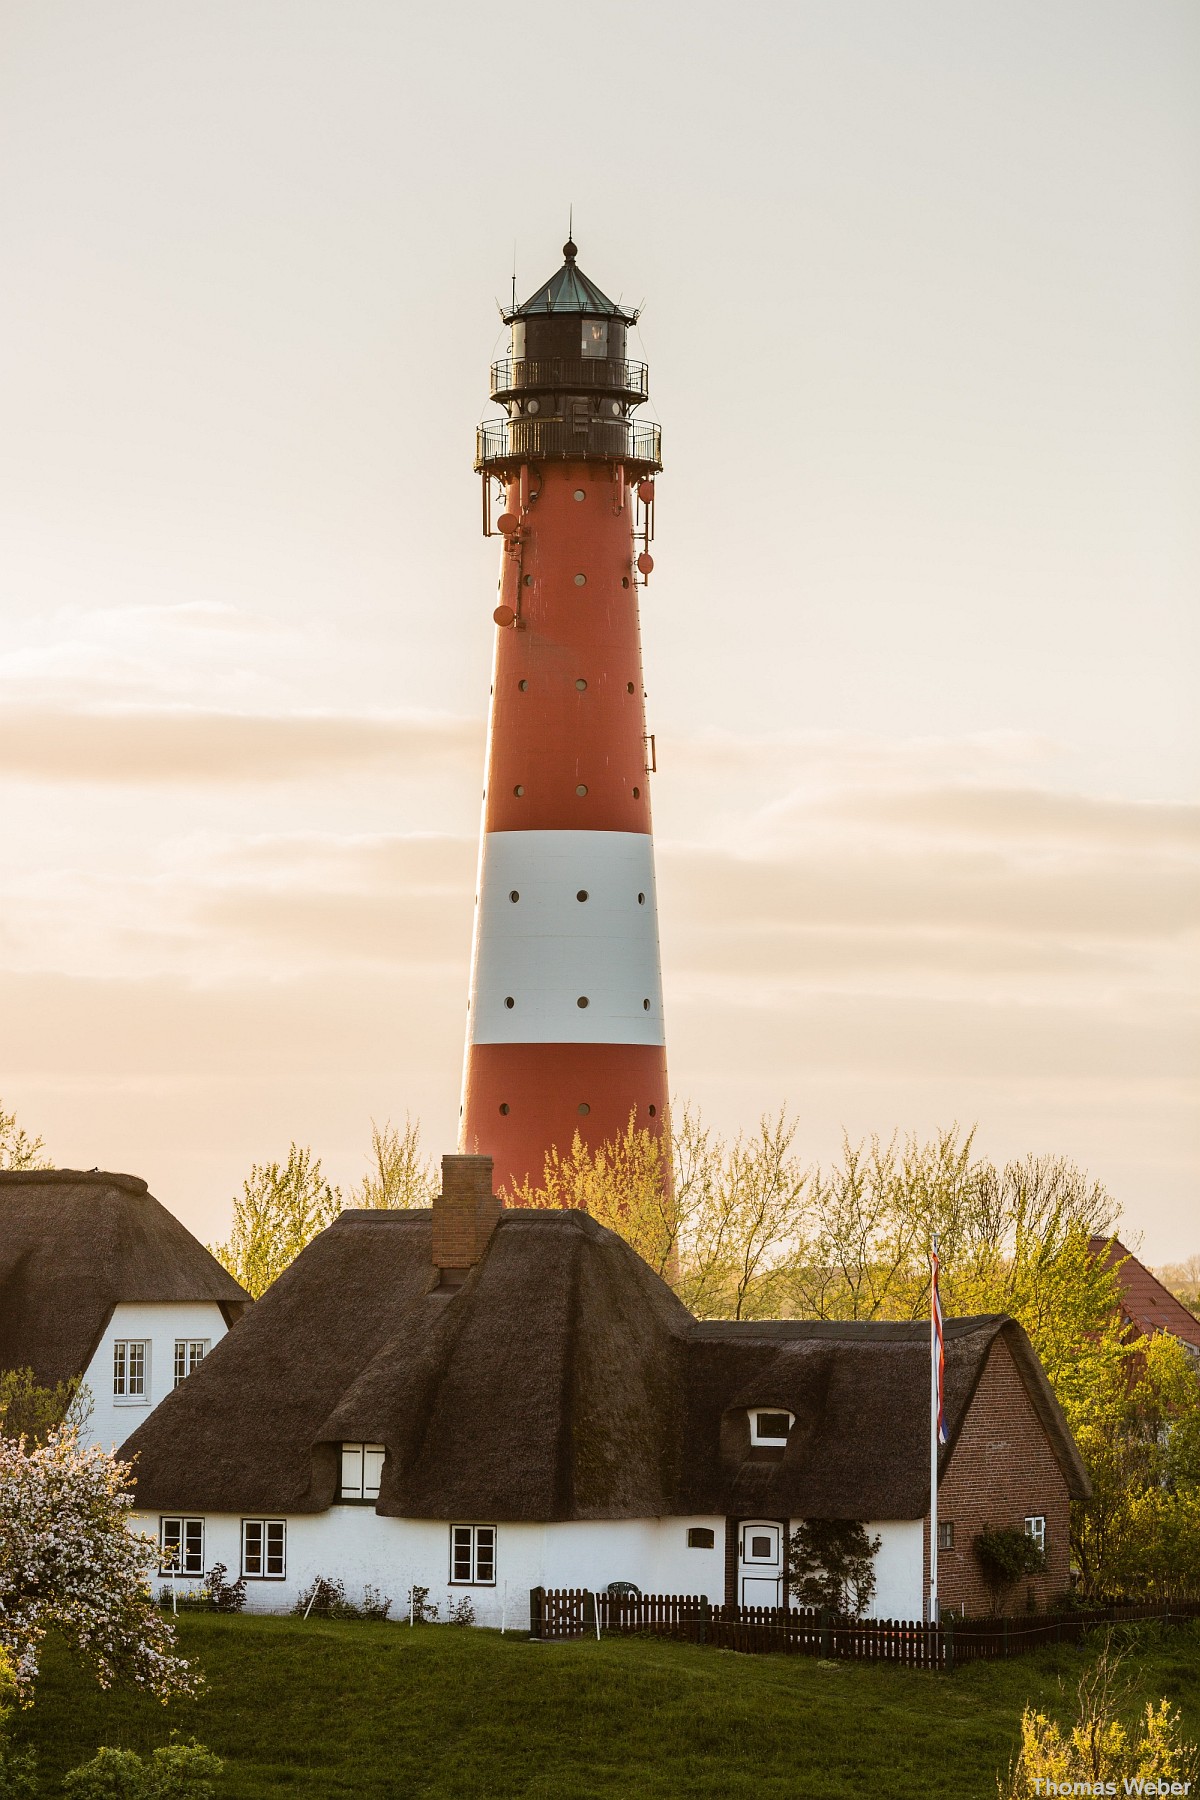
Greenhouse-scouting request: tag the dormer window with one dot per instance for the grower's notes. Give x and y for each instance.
(769, 1430)
(362, 1467)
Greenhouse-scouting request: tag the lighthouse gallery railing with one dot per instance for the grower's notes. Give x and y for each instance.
(503, 441)
(579, 374)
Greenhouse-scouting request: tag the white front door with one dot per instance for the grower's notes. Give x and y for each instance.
(760, 1563)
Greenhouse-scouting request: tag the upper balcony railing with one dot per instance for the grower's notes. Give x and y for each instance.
(570, 375)
(504, 443)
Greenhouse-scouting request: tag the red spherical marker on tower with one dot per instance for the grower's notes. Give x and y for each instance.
(565, 1017)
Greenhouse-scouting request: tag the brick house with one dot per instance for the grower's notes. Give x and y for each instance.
(1146, 1305)
(481, 1401)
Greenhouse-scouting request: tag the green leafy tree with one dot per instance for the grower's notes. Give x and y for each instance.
(17, 1149)
(400, 1174)
(831, 1562)
(28, 1410)
(625, 1184)
(1140, 1438)
(279, 1211)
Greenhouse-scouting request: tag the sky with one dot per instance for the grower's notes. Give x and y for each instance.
(920, 287)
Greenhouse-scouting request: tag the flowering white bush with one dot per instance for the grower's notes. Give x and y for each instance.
(69, 1560)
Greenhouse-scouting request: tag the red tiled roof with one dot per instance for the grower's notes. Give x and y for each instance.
(1146, 1302)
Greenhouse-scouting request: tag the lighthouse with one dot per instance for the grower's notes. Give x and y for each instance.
(564, 1014)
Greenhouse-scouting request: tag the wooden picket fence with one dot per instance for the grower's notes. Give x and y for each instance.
(557, 1613)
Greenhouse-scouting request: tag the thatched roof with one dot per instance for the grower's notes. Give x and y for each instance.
(72, 1245)
(562, 1380)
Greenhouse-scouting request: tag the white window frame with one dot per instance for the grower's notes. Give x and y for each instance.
(467, 1542)
(362, 1487)
(1035, 1528)
(758, 1440)
(264, 1530)
(123, 1374)
(184, 1353)
(190, 1540)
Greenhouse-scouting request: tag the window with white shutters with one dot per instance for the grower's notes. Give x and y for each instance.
(264, 1545)
(473, 1555)
(362, 1471)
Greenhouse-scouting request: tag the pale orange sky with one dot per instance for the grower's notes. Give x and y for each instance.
(920, 290)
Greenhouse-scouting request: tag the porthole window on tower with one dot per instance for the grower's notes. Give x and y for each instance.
(629, 687)
(581, 581)
(584, 1107)
(641, 899)
(524, 686)
(518, 790)
(579, 494)
(514, 896)
(510, 1002)
(504, 1107)
(653, 1111)
(582, 1000)
(645, 1005)
(624, 581)
(637, 793)
(616, 409)
(581, 790)
(529, 581)
(582, 894)
(532, 406)
(581, 684)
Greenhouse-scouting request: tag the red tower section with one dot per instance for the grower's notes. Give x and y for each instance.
(565, 1020)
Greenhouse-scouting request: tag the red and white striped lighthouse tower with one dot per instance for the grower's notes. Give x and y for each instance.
(565, 1018)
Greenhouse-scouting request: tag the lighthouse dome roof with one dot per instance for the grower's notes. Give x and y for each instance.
(570, 291)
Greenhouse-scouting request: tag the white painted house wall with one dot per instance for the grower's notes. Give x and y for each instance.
(159, 1324)
(358, 1546)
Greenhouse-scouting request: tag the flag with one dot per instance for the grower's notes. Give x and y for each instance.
(938, 1344)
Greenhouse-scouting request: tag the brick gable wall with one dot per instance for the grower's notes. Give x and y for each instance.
(1001, 1469)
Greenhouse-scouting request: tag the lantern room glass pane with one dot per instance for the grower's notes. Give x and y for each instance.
(595, 337)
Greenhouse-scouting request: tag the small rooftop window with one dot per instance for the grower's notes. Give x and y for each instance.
(769, 1430)
(362, 1468)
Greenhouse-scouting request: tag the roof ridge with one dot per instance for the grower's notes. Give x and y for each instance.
(131, 1184)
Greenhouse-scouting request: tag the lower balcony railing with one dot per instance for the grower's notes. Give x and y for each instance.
(499, 442)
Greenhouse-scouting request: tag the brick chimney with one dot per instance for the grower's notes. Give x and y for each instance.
(465, 1214)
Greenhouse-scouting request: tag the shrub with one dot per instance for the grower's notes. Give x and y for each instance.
(1099, 1748)
(831, 1562)
(420, 1610)
(1003, 1557)
(177, 1771)
(18, 1773)
(226, 1596)
(460, 1612)
(328, 1600)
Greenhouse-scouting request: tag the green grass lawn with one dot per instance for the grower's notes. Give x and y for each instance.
(382, 1711)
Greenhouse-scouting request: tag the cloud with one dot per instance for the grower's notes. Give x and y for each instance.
(156, 746)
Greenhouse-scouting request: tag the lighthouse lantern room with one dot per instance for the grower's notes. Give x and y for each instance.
(565, 1016)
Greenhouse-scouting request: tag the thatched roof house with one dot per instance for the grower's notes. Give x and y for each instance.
(561, 1380)
(91, 1259)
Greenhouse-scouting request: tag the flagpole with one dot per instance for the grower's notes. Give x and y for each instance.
(932, 1605)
